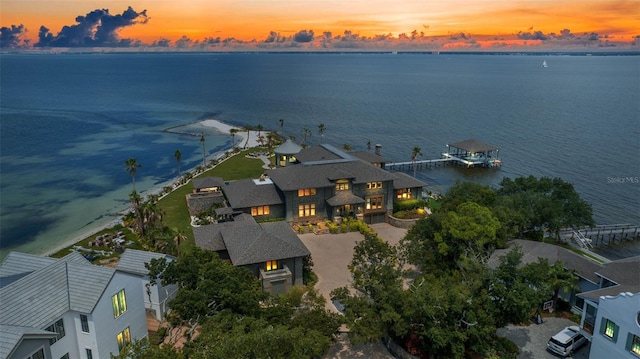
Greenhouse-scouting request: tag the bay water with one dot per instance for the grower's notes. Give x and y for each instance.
(68, 123)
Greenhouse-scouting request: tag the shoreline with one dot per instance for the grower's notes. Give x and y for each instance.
(219, 126)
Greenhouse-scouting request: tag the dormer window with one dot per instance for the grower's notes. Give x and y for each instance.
(374, 185)
(342, 185)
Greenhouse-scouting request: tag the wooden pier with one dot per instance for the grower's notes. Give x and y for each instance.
(469, 153)
(418, 164)
(588, 237)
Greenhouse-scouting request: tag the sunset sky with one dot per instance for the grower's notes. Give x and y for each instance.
(247, 20)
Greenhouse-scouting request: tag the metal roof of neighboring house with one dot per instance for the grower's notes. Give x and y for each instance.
(12, 335)
(370, 157)
(473, 145)
(403, 180)
(533, 250)
(248, 242)
(39, 298)
(207, 182)
(246, 193)
(344, 197)
(133, 260)
(288, 148)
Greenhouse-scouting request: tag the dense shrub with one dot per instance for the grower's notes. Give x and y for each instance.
(408, 205)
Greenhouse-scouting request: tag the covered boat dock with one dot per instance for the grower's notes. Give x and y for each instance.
(473, 153)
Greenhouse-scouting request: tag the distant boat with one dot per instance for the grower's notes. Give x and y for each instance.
(544, 63)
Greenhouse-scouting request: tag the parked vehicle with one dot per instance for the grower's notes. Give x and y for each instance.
(567, 341)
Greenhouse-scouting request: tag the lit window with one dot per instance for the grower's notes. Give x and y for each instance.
(84, 323)
(260, 210)
(57, 327)
(307, 210)
(303, 192)
(374, 185)
(119, 304)
(404, 193)
(272, 265)
(124, 338)
(342, 185)
(634, 344)
(610, 329)
(374, 203)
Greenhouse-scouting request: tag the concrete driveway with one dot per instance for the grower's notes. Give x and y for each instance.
(532, 339)
(332, 253)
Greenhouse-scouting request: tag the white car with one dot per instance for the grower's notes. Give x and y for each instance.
(567, 341)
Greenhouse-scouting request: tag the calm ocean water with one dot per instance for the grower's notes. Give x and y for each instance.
(68, 122)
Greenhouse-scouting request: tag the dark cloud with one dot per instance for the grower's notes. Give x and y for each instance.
(183, 42)
(536, 35)
(274, 37)
(10, 36)
(303, 36)
(161, 43)
(97, 28)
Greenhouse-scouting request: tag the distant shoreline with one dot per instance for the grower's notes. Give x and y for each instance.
(219, 126)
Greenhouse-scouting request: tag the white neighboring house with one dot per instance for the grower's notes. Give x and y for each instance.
(611, 314)
(92, 310)
(133, 261)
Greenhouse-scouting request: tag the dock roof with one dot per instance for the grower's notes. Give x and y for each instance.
(473, 145)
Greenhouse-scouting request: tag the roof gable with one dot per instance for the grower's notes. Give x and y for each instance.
(247, 193)
(133, 260)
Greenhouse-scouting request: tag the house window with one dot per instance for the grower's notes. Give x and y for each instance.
(374, 203)
(609, 329)
(633, 343)
(89, 353)
(260, 210)
(307, 210)
(303, 192)
(119, 304)
(57, 327)
(37, 355)
(272, 265)
(404, 193)
(342, 185)
(84, 323)
(374, 185)
(124, 338)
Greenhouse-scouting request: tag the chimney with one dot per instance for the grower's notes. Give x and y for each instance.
(378, 149)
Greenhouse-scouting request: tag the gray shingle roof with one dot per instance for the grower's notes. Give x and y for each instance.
(623, 271)
(369, 157)
(610, 291)
(207, 182)
(403, 180)
(292, 178)
(318, 153)
(344, 197)
(11, 336)
(248, 242)
(39, 298)
(133, 260)
(247, 193)
(533, 250)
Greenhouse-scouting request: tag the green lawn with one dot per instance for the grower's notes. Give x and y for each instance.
(174, 205)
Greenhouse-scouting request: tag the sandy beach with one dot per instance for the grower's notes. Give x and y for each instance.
(219, 126)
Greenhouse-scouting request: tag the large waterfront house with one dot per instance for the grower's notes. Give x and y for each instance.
(319, 183)
(270, 250)
(67, 308)
(156, 295)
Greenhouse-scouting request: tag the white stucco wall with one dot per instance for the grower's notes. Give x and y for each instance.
(623, 311)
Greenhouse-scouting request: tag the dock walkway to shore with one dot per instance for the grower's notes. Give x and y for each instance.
(588, 237)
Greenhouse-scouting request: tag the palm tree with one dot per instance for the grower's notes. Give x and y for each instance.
(560, 278)
(248, 129)
(259, 128)
(131, 165)
(204, 154)
(346, 147)
(369, 145)
(178, 156)
(414, 157)
(305, 133)
(281, 126)
(233, 137)
(321, 131)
